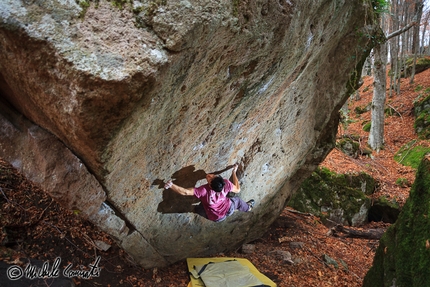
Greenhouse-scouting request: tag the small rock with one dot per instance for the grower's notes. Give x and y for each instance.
(327, 259)
(248, 248)
(295, 245)
(283, 255)
(101, 245)
(283, 239)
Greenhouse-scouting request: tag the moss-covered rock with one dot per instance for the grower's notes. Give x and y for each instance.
(422, 117)
(403, 256)
(338, 197)
(411, 154)
(349, 146)
(421, 65)
(363, 109)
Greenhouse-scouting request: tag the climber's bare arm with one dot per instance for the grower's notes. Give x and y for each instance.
(179, 189)
(236, 185)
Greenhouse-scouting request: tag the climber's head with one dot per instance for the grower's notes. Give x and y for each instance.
(216, 182)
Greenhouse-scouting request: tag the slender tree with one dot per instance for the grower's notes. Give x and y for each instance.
(416, 36)
(376, 135)
(425, 23)
(394, 25)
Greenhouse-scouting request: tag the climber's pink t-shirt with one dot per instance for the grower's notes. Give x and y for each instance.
(216, 204)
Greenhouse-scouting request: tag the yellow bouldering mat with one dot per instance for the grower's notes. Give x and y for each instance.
(226, 276)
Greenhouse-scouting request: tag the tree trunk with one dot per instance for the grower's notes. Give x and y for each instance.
(403, 41)
(416, 36)
(428, 49)
(425, 24)
(376, 136)
(394, 48)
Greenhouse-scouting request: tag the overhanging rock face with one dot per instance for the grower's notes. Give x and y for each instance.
(133, 96)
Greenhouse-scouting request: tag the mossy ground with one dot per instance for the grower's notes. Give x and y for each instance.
(367, 126)
(411, 154)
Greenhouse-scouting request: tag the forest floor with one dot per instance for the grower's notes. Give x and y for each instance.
(34, 226)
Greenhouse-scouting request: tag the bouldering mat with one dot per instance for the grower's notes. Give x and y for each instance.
(197, 263)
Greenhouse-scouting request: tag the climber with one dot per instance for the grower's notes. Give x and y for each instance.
(214, 203)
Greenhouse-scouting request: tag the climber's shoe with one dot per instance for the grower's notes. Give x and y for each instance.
(251, 204)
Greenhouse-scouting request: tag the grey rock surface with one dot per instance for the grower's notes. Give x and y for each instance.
(156, 90)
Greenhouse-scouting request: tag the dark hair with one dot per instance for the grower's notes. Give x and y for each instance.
(217, 184)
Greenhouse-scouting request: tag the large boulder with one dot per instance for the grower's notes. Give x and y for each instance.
(422, 116)
(336, 198)
(421, 64)
(403, 254)
(102, 102)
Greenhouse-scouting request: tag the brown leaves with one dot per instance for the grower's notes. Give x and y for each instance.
(398, 131)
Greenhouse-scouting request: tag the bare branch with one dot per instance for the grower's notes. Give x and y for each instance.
(400, 31)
